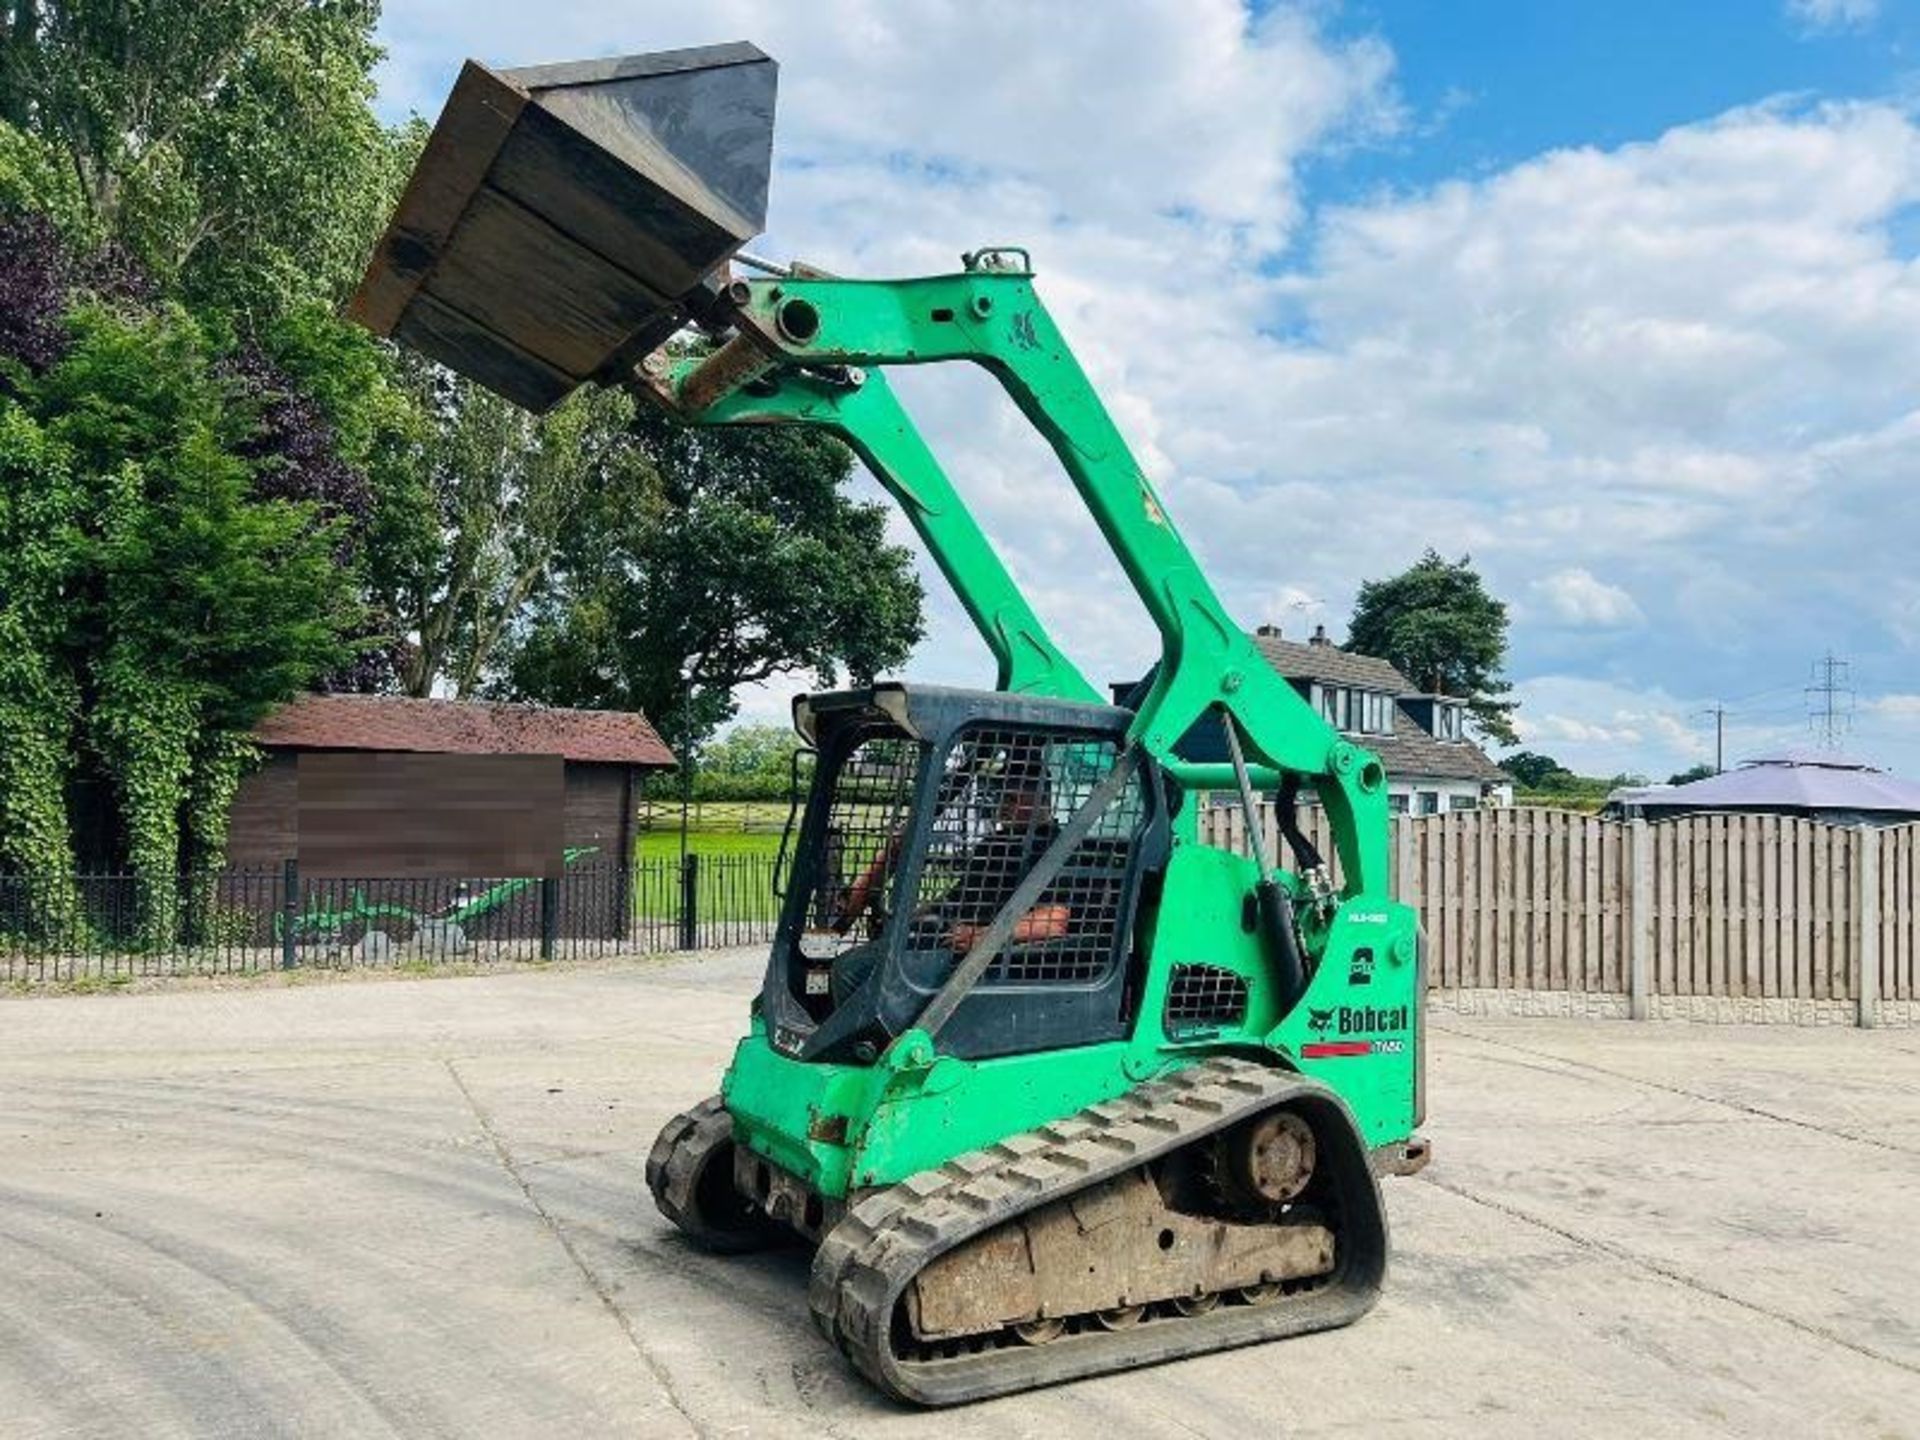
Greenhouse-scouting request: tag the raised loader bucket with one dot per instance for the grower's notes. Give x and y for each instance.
(561, 215)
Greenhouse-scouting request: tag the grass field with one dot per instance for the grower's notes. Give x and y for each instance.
(736, 874)
(657, 845)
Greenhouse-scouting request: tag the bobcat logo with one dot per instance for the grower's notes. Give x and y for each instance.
(1319, 1021)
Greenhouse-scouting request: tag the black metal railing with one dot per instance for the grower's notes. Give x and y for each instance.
(241, 921)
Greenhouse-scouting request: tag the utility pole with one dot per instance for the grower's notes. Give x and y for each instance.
(1718, 711)
(1828, 718)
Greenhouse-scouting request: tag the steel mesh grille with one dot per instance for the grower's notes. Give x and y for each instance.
(1205, 996)
(867, 821)
(1004, 796)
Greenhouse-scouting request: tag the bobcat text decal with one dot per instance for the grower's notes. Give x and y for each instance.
(1358, 1022)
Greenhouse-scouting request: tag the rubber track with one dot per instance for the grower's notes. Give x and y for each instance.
(866, 1262)
(673, 1175)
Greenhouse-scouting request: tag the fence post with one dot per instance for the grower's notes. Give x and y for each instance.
(690, 903)
(549, 915)
(1640, 935)
(289, 910)
(1867, 953)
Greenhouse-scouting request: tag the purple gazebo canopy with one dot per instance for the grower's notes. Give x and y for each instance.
(1791, 780)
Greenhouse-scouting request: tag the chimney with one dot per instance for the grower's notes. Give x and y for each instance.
(1267, 630)
(1319, 636)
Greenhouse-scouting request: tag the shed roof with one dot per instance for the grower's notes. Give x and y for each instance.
(463, 727)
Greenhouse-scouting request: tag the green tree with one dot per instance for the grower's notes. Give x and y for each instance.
(189, 480)
(744, 559)
(752, 750)
(190, 598)
(1702, 771)
(1531, 771)
(749, 762)
(34, 181)
(42, 548)
(1437, 623)
(228, 144)
(473, 498)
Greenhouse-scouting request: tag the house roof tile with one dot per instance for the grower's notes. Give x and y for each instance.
(1297, 661)
(1410, 751)
(462, 727)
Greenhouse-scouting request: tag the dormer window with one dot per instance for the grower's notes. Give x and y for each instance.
(1440, 717)
(1354, 711)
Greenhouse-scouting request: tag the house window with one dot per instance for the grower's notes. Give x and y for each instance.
(1356, 712)
(1426, 802)
(1464, 802)
(1397, 804)
(1447, 721)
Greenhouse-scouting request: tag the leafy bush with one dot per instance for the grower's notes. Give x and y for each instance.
(176, 534)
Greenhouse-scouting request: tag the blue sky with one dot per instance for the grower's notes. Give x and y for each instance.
(1618, 298)
(1494, 83)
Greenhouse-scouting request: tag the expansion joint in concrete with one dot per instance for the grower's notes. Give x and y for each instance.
(594, 1283)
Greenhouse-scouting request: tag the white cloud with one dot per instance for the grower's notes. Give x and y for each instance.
(1141, 108)
(1598, 727)
(1903, 612)
(1684, 364)
(1577, 598)
(1833, 14)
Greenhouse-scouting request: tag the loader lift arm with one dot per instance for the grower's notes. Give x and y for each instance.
(863, 411)
(993, 317)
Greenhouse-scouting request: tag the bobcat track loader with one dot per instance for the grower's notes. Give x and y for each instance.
(1051, 1087)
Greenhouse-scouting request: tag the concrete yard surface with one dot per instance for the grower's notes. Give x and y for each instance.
(416, 1208)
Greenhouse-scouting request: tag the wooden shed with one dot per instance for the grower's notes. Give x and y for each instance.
(604, 758)
(607, 754)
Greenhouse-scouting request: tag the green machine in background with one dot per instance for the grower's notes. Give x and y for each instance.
(1052, 1087)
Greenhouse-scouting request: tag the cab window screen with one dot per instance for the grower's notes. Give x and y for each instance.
(1004, 796)
(858, 852)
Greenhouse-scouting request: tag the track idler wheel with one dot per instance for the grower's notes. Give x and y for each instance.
(690, 1172)
(1268, 1161)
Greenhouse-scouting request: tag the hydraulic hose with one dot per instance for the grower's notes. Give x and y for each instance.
(1273, 906)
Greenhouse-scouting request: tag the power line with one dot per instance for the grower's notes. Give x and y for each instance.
(1756, 694)
(1774, 712)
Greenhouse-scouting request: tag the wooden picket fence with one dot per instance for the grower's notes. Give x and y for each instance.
(1734, 907)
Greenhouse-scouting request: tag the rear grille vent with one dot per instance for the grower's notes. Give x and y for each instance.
(1205, 997)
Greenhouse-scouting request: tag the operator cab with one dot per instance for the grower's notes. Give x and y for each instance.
(927, 808)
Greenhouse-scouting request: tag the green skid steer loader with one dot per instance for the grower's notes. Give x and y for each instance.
(1052, 1087)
